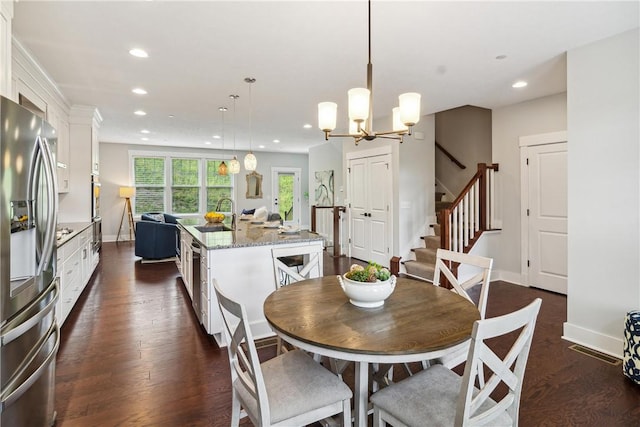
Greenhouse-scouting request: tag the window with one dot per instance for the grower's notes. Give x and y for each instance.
(185, 186)
(218, 187)
(148, 178)
(179, 184)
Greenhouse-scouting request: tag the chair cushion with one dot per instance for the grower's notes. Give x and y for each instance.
(295, 384)
(430, 395)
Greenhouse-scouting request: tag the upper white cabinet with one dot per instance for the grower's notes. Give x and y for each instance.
(84, 123)
(6, 15)
(59, 121)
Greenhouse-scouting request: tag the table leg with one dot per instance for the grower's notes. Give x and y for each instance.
(361, 398)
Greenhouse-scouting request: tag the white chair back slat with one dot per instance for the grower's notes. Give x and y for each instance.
(444, 264)
(311, 263)
(508, 371)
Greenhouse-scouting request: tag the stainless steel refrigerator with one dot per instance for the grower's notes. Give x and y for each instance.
(29, 335)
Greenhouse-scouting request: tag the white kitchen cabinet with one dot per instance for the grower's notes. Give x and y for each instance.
(63, 156)
(61, 125)
(75, 264)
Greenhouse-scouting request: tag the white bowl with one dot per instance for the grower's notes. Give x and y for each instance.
(367, 294)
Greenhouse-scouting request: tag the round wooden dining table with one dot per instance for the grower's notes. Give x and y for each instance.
(417, 322)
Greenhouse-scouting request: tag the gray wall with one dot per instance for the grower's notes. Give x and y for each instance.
(115, 172)
(465, 132)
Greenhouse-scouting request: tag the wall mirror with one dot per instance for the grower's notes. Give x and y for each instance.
(254, 185)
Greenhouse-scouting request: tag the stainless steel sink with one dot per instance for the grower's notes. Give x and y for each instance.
(210, 228)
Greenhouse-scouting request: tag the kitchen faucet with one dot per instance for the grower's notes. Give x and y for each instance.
(233, 211)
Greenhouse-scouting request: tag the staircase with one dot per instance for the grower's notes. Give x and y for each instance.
(424, 264)
(460, 224)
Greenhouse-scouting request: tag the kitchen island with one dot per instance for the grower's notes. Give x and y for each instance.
(240, 260)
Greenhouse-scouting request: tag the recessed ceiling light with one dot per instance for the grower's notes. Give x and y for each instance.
(171, 116)
(216, 136)
(145, 138)
(139, 53)
(145, 131)
(519, 84)
(260, 146)
(307, 126)
(139, 113)
(276, 141)
(207, 143)
(139, 91)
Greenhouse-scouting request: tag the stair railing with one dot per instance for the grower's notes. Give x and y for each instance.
(450, 156)
(328, 224)
(471, 213)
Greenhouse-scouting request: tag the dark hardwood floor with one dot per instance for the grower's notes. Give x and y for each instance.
(132, 354)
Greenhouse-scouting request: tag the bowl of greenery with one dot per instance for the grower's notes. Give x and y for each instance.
(369, 286)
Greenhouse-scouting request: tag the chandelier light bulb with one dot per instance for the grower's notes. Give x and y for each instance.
(359, 104)
(398, 126)
(353, 127)
(327, 114)
(409, 108)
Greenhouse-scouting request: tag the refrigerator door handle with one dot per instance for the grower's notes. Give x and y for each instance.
(24, 325)
(52, 219)
(22, 388)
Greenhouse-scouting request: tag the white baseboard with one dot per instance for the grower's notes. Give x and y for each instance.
(594, 340)
(507, 276)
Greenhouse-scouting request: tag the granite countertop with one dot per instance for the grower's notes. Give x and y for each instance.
(69, 230)
(245, 235)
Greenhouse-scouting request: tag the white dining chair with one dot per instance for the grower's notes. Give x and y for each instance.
(438, 396)
(288, 390)
(292, 264)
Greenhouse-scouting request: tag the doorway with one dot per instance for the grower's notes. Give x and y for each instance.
(369, 208)
(286, 194)
(544, 213)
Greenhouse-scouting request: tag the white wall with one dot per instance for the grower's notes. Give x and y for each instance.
(542, 115)
(115, 172)
(323, 157)
(604, 180)
(416, 187)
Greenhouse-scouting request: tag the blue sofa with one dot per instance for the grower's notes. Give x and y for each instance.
(157, 236)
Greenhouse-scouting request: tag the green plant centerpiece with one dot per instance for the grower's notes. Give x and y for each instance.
(367, 287)
(371, 273)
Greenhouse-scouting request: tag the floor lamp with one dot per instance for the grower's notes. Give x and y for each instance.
(127, 193)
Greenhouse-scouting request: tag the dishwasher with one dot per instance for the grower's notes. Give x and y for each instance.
(196, 300)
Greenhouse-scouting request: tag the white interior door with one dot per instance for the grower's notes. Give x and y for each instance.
(547, 216)
(369, 211)
(286, 194)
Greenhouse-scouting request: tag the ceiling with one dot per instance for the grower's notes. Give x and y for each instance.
(300, 53)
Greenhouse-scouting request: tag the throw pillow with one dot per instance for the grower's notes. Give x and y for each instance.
(156, 217)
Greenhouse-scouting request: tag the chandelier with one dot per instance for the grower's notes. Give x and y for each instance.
(405, 116)
(222, 168)
(250, 161)
(234, 164)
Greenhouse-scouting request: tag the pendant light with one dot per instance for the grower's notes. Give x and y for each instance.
(222, 168)
(234, 164)
(250, 161)
(361, 110)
